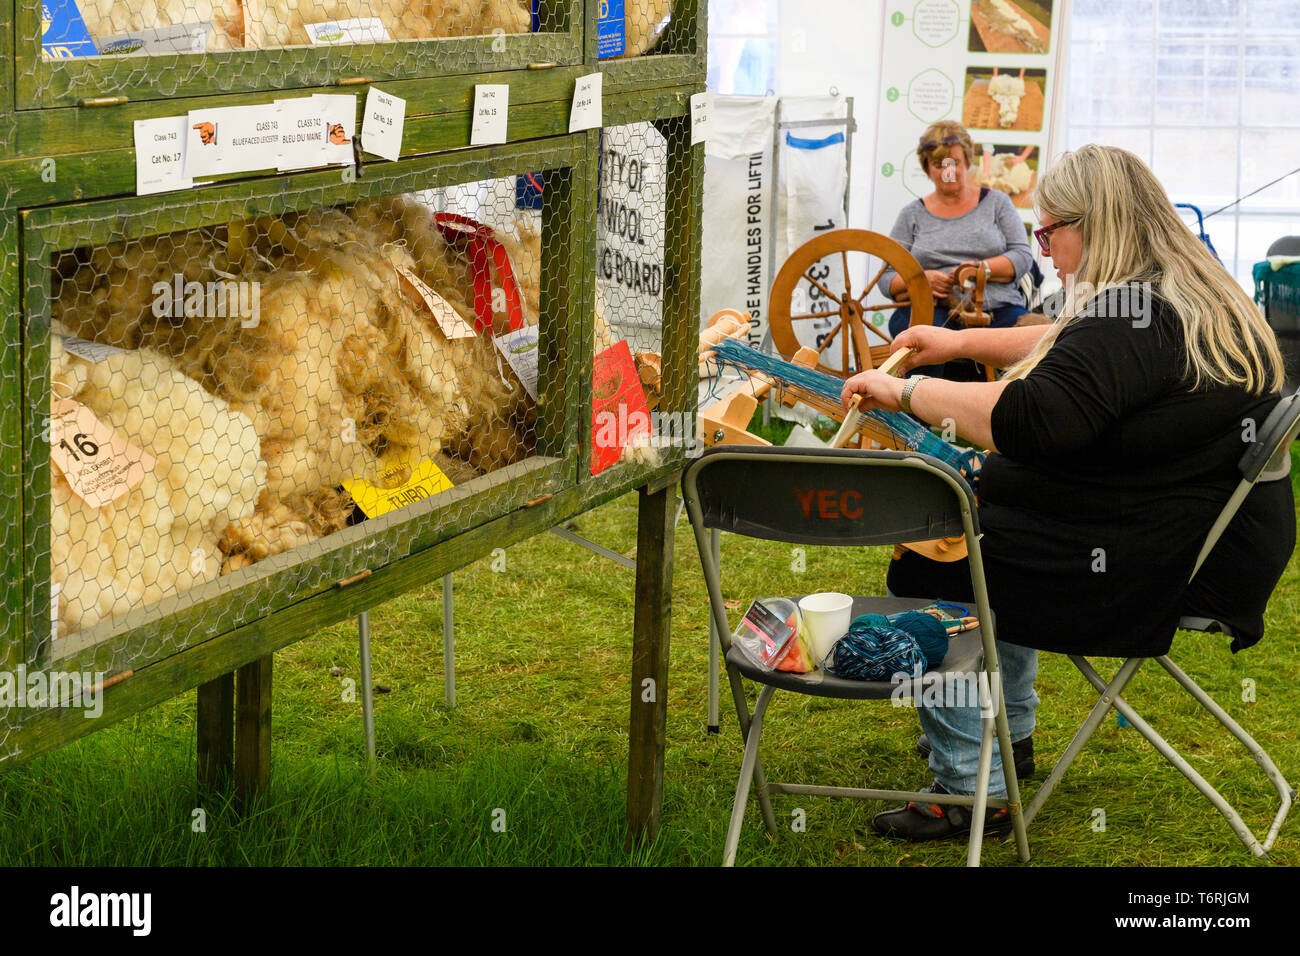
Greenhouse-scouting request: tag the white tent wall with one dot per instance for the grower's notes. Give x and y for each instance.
(834, 43)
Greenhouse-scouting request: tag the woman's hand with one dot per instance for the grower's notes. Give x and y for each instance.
(940, 282)
(877, 389)
(934, 345)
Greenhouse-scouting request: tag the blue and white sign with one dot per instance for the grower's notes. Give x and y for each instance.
(611, 29)
(63, 32)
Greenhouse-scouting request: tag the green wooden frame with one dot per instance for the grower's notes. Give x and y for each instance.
(44, 83)
(262, 590)
(11, 474)
(37, 731)
(292, 596)
(93, 150)
(669, 110)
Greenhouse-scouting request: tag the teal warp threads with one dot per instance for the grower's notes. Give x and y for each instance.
(905, 428)
(877, 647)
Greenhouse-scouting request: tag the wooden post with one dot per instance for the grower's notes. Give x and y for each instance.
(650, 631)
(216, 727)
(252, 728)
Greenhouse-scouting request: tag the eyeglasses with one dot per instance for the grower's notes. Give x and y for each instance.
(929, 144)
(1042, 234)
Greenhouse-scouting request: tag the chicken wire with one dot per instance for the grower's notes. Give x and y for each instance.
(307, 42)
(270, 386)
(11, 637)
(630, 429)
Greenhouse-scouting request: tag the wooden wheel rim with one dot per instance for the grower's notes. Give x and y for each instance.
(850, 313)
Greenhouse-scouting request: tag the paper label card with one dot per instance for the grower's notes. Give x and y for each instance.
(402, 483)
(618, 407)
(520, 350)
(339, 113)
(179, 38)
(381, 128)
(88, 350)
(586, 110)
(357, 30)
(160, 155)
(701, 114)
(302, 134)
(491, 106)
(99, 465)
(448, 319)
(232, 139)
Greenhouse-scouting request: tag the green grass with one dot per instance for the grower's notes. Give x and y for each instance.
(540, 733)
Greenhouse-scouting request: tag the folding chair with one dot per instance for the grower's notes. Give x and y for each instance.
(847, 498)
(1267, 459)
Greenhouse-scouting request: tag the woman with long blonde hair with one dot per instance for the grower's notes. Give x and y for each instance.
(1114, 438)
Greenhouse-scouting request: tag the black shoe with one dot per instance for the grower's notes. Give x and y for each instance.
(1022, 751)
(935, 821)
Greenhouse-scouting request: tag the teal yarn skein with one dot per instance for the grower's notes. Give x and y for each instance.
(877, 646)
(929, 632)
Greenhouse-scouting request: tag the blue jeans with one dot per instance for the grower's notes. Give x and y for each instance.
(955, 732)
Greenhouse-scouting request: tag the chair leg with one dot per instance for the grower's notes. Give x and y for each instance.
(747, 767)
(1112, 696)
(1019, 825)
(976, 842)
(765, 799)
(743, 717)
(1186, 769)
(1095, 717)
(715, 645)
(1261, 757)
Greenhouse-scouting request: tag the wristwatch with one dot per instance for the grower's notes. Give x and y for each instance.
(988, 271)
(905, 402)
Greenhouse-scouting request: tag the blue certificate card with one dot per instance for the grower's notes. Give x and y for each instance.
(611, 29)
(63, 31)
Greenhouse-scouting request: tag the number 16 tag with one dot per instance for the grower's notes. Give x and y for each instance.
(99, 465)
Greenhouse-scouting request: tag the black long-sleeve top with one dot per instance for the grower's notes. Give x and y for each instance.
(1108, 476)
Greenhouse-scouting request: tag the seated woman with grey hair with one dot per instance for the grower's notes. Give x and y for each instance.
(959, 223)
(1114, 441)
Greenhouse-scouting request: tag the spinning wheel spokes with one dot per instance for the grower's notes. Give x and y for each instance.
(825, 291)
(870, 285)
(850, 315)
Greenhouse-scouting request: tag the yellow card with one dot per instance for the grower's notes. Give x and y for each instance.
(400, 484)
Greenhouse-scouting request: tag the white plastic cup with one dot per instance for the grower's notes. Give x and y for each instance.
(827, 617)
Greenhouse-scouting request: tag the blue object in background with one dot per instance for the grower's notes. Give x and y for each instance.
(1200, 228)
(797, 142)
(63, 32)
(611, 29)
(528, 191)
(535, 16)
(1121, 720)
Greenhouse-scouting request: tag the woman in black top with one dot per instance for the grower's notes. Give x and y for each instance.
(1114, 437)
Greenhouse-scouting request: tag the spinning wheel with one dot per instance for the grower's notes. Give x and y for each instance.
(851, 329)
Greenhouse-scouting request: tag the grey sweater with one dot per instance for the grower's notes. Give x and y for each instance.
(992, 228)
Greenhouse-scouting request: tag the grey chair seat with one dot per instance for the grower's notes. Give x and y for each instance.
(965, 656)
(852, 498)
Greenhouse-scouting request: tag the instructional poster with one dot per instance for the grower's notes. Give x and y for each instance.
(991, 65)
